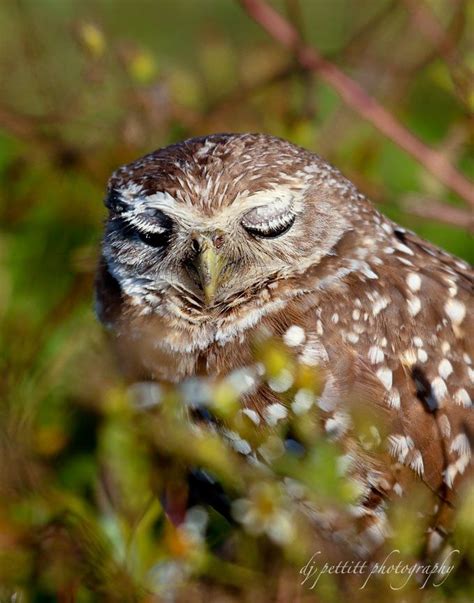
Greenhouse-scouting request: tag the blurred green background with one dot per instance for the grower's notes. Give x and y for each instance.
(87, 85)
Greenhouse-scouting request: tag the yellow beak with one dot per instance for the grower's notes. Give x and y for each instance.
(209, 264)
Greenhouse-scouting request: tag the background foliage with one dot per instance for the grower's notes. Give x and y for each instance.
(87, 86)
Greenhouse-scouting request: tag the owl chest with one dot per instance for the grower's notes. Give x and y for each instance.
(152, 349)
(156, 349)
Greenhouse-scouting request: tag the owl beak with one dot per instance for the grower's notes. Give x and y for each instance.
(208, 263)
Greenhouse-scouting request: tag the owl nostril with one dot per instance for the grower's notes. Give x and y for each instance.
(196, 245)
(218, 240)
(198, 240)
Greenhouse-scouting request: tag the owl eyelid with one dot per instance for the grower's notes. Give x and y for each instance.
(261, 222)
(150, 234)
(147, 225)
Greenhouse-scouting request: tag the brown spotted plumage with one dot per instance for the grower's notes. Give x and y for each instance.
(215, 241)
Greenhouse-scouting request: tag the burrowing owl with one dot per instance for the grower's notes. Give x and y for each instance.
(216, 239)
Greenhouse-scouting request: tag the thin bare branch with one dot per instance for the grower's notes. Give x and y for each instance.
(358, 99)
(441, 212)
(431, 28)
(245, 91)
(445, 45)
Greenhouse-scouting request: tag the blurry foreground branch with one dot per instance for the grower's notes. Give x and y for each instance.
(358, 99)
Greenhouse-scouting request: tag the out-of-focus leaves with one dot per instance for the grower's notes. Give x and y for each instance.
(92, 38)
(141, 65)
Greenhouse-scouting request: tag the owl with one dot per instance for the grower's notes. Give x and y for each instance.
(218, 239)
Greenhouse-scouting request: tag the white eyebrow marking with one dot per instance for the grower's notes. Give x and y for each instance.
(138, 202)
(133, 193)
(160, 200)
(130, 191)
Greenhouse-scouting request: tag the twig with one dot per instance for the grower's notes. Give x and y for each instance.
(47, 140)
(362, 37)
(295, 16)
(17, 124)
(243, 92)
(444, 44)
(431, 28)
(31, 128)
(441, 212)
(356, 98)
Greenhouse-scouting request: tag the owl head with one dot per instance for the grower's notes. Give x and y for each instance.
(200, 227)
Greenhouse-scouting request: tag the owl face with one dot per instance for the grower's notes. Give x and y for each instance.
(199, 228)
